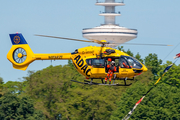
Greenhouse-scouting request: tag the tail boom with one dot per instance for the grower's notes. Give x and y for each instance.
(53, 56)
(21, 55)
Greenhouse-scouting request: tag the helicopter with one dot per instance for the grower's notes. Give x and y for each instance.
(90, 61)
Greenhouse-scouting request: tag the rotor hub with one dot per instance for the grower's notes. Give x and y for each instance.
(20, 55)
(103, 41)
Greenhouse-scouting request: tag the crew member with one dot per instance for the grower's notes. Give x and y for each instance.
(125, 65)
(111, 69)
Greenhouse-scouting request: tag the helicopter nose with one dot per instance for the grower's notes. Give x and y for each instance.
(144, 68)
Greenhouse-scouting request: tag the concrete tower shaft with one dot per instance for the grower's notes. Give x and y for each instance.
(109, 14)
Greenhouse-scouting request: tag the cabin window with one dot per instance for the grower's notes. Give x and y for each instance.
(89, 62)
(96, 62)
(116, 60)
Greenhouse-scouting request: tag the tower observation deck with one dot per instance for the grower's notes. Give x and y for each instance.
(110, 31)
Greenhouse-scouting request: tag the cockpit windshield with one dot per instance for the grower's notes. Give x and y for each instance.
(130, 62)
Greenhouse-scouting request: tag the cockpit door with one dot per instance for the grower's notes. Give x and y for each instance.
(124, 67)
(129, 66)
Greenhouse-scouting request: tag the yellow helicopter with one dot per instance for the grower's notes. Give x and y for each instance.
(90, 61)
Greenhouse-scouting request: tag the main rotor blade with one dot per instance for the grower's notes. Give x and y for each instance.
(66, 38)
(99, 42)
(147, 44)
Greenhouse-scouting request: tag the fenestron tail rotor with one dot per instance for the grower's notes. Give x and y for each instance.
(19, 55)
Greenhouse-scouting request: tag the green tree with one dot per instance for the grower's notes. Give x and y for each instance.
(152, 61)
(1, 86)
(162, 102)
(138, 56)
(14, 87)
(172, 77)
(50, 86)
(60, 98)
(129, 52)
(14, 108)
(121, 48)
(70, 64)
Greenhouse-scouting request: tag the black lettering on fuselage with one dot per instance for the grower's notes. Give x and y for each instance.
(55, 57)
(87, 52)
(80, 63)
(84, 68)
(77, 58)
(88, 71)
(124, 70)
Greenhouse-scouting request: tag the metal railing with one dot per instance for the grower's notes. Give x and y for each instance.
(112, 12)
(122, 1)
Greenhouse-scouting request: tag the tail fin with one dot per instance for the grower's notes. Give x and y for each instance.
(17, 39)
(20, 54)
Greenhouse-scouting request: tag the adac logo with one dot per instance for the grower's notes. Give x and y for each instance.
(16, 39)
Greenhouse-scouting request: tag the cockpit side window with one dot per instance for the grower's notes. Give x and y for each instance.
(133, 63)
(123, 63)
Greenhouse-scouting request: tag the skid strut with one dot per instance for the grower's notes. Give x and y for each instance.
(125, 80)
(102, 81)
(94, 83)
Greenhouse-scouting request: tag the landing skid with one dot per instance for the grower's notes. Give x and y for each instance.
(94, 83)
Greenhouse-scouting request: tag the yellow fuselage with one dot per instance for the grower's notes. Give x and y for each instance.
(80, 59)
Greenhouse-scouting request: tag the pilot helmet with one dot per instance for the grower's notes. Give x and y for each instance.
(112, 62)
(109, 59)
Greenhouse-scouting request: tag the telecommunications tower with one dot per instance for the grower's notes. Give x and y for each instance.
(110, 31)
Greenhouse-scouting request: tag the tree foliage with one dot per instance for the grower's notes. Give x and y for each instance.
(172, 77)
(129, 52)
(138, 56)
(59, 98)
(14, 108)
(161, 103)
(1, 86)
(152, 61)
(14, 87)
(121, 48)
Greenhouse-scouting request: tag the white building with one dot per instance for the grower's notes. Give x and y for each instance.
(110, 31)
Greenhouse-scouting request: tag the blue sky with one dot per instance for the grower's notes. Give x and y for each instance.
(157, 21)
